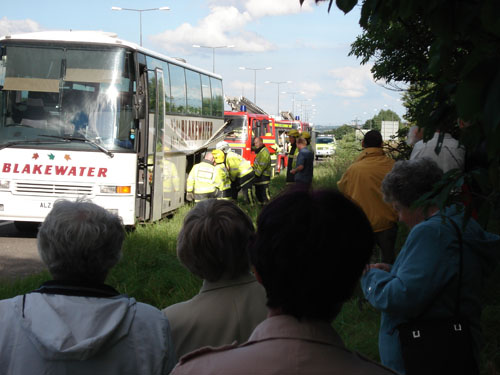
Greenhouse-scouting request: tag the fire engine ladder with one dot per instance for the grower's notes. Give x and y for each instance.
(286, 115)
(237, 102)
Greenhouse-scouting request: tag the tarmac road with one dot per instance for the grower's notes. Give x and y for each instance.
(18, 253)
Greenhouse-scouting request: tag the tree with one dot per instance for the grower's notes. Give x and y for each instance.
(448, 52)
(342, 131)
(384, 115)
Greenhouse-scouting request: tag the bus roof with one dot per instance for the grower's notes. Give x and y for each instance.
(97, 37)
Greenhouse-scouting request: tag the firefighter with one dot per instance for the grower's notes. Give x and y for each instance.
(262, 169)
(292, 155)
(240, 172)
(202, 180)
(274, 158)
(222, 175)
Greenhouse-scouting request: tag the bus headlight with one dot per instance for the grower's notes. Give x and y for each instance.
(4, 184)
(113, 189)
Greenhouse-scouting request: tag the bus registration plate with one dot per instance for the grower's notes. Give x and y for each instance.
(45, 204)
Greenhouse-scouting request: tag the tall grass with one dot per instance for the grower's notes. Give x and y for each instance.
(150, 271)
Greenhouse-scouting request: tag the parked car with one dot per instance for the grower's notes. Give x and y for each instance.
(325, 146)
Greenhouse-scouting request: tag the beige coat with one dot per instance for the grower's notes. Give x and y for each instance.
(362, 182)
(223, 312)
(282, 345)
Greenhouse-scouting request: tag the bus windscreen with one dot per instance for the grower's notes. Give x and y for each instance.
(58, 94)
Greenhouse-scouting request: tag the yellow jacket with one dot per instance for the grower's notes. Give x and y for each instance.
(362, 182)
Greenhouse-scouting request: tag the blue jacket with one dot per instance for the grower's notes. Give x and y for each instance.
(426, 266)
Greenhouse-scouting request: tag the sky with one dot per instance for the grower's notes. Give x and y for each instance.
(305, 45)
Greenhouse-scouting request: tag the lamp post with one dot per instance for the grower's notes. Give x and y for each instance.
(302, 106)
(213, 52)
(278, 83)
(254, 79)
(293, 93)
(140, 15)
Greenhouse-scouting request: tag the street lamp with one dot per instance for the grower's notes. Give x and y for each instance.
(255, 79)
(140, 15)
(302, 106)
(278, 83)
(293, 93)
(213, 52)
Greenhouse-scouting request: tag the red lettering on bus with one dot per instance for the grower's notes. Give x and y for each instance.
(61, 170)
(91, 172)
(6, 168)
(48, 169)
(26, 169)
(102, 172)
(82, 170)
(37, 169)
(72, 171)
(16, 170)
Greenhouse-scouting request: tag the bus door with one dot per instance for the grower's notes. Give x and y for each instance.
(152, 199)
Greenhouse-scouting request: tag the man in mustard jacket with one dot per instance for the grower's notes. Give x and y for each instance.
(362, 182)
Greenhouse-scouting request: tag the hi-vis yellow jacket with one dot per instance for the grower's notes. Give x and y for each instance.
(223, 181)
(262, 164)
(237, 166)
(362, 182)
(202, 181)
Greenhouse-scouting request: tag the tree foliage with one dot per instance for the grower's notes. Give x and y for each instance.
(342, 131)
(375, 123)
(448, 53)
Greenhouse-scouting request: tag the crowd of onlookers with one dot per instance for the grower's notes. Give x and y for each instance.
(269, 295)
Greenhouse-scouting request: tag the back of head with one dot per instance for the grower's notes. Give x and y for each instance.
(311, 265)
(213, 238)
(209, 156)
(301, 141)
(80, 241)
(372, 139)
(409, 180)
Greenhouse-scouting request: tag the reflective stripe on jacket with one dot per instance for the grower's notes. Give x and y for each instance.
(262, 163)
(202, 181)
(292, 156)
(237, 166)
(222, 181)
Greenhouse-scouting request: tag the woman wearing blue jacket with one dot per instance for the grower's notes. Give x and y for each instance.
(423, 281)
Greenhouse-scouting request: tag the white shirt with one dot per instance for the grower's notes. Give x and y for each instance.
(451, 156)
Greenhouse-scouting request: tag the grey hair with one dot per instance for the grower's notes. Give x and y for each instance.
(80, 241)
(213, 239)
(409, 180)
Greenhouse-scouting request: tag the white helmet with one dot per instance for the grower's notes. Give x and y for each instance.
(222, 145)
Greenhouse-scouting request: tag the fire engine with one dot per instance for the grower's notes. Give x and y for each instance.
(245, 122)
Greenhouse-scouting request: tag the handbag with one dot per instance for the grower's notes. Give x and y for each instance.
(439, 346)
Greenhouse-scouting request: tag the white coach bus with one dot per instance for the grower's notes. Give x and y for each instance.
(85, 114)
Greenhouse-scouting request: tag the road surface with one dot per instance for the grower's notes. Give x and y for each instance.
(18, 253)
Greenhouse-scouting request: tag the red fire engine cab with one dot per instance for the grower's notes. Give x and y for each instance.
(246, 122)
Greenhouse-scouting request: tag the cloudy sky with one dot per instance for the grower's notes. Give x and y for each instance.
(305, 45)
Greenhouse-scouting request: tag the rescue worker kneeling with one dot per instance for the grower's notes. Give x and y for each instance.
(262, 169)
(205, 180)
(240, 172)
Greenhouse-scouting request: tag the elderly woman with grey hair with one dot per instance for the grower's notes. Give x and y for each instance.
(75, 324)
(231, 303)
(424, 280)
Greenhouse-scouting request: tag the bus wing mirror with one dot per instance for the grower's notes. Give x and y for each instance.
(139, 106)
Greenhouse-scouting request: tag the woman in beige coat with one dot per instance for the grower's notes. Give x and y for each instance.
(212, 245)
